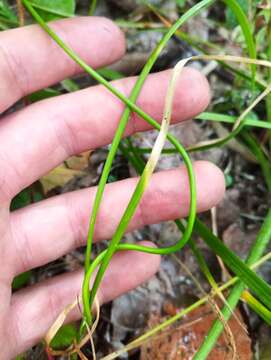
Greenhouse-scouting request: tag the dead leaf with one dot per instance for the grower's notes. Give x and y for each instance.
(58, 177)
(78, 162)
(183, 341)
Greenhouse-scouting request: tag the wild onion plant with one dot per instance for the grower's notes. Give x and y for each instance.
(248, 286)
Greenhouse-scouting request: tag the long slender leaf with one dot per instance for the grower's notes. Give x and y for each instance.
(242, 270)
(210, 116)
(245, 25)
(256, 252)
(257, 306)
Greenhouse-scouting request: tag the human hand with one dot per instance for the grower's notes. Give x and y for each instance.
(41, 136)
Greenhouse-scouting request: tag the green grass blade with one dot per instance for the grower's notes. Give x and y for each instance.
(140, 188)
(126, 150)
(202, 264)
(92, 7)
(110, 74)
(268, 99)
(125, 117)
(210, 116)
(238, 126)
(250, 278)
(245, 25)
(7, 13)
(257, 306)
(256, 252)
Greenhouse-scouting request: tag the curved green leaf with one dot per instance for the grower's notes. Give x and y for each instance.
(245, 26)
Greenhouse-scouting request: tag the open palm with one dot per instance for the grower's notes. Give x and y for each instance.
(41, 136)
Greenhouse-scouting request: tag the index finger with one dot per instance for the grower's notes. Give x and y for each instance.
(30, 60)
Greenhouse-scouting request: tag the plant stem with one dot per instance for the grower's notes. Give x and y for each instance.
(125, 118)
(129, 102)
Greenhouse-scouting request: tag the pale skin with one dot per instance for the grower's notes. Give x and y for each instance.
(39, 137)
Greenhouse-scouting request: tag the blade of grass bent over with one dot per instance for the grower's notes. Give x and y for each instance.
(140, 188)
(125, 117)
(128, 102)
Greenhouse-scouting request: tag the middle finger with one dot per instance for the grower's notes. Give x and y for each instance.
(49, 229)
(41, 136)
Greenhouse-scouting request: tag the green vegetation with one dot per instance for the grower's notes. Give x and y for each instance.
(248, 285)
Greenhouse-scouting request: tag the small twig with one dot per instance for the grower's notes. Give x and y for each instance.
(21, 12)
